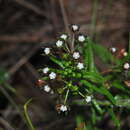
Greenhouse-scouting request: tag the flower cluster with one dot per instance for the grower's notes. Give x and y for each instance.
(75, 74)
(71, 66)
(122, 53)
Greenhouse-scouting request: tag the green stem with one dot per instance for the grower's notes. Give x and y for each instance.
(10, 99)
(30, 125)
(72, 43)
(66, 48)
(81, 95)
(119, 103)
(66, 96)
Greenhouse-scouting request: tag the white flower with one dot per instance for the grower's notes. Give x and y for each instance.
(113, 49)
(63, 108)
(125, 54)
(59, 43)
(126, 66)
(47, 88)
(75, 27)
(63, 36)
(88, 99)
(81, 38)
(45, 70)
(47, 51)
(76, 55)
(52, 75)
(80, 65)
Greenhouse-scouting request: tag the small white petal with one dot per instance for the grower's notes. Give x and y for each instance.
(125, 54)
(45, 70)
(47, 88)
(63, 36)
(80, 66)
(88, 99)
(59, 43)
(81, 38)
(75, 27)
(76, 55)
(52, 75)
(63, 108)
(126, 66)
(47, 51)
(113, 49)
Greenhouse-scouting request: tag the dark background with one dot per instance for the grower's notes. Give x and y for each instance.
(25, 27)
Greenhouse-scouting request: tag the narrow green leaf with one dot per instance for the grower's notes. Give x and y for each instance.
(119, 102)
(108, 94)
(80, 123)
(58, 62)
(98, 108)
(88, 55)
(4, 76)
(9, 87)
(102, 90)
(119, 86)
(94, 116)
(94, 77)
(79, 119)
(44, 78)
(104, 54)
(29, 122)
(114, 118)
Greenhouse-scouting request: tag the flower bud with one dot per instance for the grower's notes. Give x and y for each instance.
(126, 66)
(47, 51)
(64, 36)
(113, 49)
(73, 74)
(75, 88)
(76, 55)
(59, 43)
(79, 75)
(88, 99)
(75, 28)
(81, 38)
(40, 83)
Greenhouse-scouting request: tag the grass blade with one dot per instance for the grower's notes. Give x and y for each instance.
(58, 62)
(104, 54)
(114, 118)
(29, 122)
(98, 108)
(102, 90)
(88, 56)
(119, 86)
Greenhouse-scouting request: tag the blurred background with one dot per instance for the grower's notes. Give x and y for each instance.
(25, 27)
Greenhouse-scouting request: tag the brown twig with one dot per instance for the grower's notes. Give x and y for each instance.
(65, 19)
(10, 99)
(54, 17)
(32, 7)
(37, 36)
(32, 70)
(6, 125)
(23, 60)
(107, 71)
